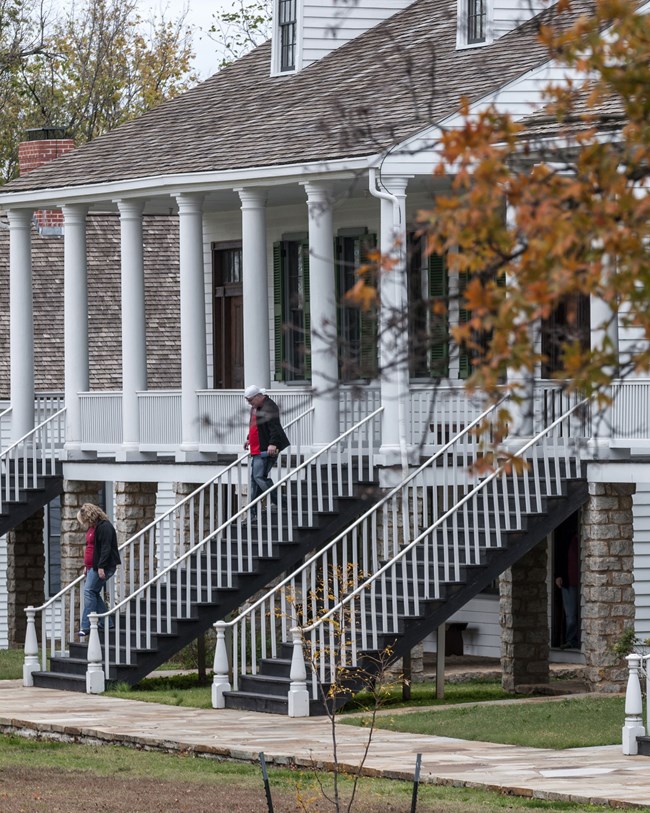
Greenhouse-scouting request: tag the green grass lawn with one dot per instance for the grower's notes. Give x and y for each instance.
(573, 723)
(11, 664)
(82, 762)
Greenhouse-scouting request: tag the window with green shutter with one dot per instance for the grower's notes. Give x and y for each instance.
(439, 322)
(464, 364)
(480, 338)
(291, 310)
(428, 284)
(357, 328)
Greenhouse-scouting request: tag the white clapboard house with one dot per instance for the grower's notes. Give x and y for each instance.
(235, 217)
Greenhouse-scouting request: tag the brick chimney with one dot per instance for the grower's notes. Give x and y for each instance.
(44, 144)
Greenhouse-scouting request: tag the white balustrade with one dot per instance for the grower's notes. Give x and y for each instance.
(362, 616)
(631, 410)
(34, 455)
(224, 417)
(160, 420)
(347, 560)
(101, 420)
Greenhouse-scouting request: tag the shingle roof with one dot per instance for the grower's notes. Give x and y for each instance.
(162, 304)
(360, 99)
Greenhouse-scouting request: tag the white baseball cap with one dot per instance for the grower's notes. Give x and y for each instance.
(251, 391)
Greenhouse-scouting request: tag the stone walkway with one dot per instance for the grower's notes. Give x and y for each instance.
(584, 775)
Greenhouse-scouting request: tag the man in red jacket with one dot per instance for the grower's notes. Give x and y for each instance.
(265, 440)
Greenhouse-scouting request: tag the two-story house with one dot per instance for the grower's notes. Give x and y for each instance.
(283, 171)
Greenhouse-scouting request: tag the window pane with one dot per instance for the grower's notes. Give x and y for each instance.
(475, 21)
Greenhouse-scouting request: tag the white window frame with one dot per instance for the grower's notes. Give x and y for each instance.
(276, 49)
(462, 26)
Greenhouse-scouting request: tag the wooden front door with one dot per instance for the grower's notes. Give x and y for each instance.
(228, 310)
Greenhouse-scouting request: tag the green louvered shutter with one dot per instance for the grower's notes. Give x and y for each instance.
(439, 290)
(278, 309)
(304, 253)
(367, 319)
(464, 367)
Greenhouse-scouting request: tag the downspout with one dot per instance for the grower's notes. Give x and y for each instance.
(401, 415)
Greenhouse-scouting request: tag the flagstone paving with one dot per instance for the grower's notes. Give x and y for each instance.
(586, 775)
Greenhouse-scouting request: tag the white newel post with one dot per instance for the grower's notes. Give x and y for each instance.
(394, 343)
(194, 369)
(95, 678)
(134, 352)
(322, 301)
(75, 309)
(220, 682)
(633, 727)
(31, 663)
(21, 322)
(255, 286)
(298, 694)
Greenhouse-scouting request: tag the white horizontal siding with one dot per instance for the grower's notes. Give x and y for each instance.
(641, 509)
(508, 14)
(326, 26)
(483, 634)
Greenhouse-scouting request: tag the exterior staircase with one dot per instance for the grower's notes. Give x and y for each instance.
(478, 527)
(30, 472)
(224, 555)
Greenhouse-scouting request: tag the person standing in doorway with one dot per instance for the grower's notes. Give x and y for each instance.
(265, 440)
(103, 563)
(568, 580)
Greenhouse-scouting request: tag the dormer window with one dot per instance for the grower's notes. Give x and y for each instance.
(476, 19)
(287, 20)
(475, 23)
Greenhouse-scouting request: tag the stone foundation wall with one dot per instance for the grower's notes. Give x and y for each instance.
(73, 537)
(25, 573)
(607, 582)
(135, 508)
(525, 638)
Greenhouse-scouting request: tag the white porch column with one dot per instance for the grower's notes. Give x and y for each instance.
(257, 360)
(322, 299)
(134, 352)
(194, 373)
(21, 327)
(75, 308)
(522, 424)
(394, 343)
(604, 326)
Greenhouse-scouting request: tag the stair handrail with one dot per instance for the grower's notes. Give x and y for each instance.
(374, 509)
(234, 520)
(477, 488)
(159, 520)
(299, 631)
(245, 510)
(12, 482)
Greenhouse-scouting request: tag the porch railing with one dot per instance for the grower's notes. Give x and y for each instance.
(34, 455)
(630, 412)
(338, 635)
(101, 420)
(223, 413)
(149, 552)
(346, 561)
(436, 414)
